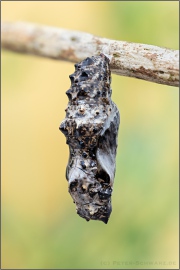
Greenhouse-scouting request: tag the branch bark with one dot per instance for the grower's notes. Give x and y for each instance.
(147, 62)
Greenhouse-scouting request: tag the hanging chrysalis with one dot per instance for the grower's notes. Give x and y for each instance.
(91, 128)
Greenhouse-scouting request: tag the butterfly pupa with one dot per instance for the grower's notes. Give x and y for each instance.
(91, 130)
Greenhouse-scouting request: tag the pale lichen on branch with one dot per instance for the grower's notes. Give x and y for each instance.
(147, 62)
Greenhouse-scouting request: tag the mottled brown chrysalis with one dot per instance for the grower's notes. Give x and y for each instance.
(91, 128)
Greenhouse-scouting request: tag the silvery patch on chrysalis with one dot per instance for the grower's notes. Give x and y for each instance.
(91, 128)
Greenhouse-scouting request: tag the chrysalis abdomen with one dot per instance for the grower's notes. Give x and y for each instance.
(91, 128)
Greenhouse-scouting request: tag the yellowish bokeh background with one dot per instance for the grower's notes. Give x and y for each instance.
(40, 228)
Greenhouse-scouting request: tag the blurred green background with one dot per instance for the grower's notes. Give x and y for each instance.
(40, 227)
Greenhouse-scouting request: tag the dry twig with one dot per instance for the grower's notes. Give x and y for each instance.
(147, 62)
